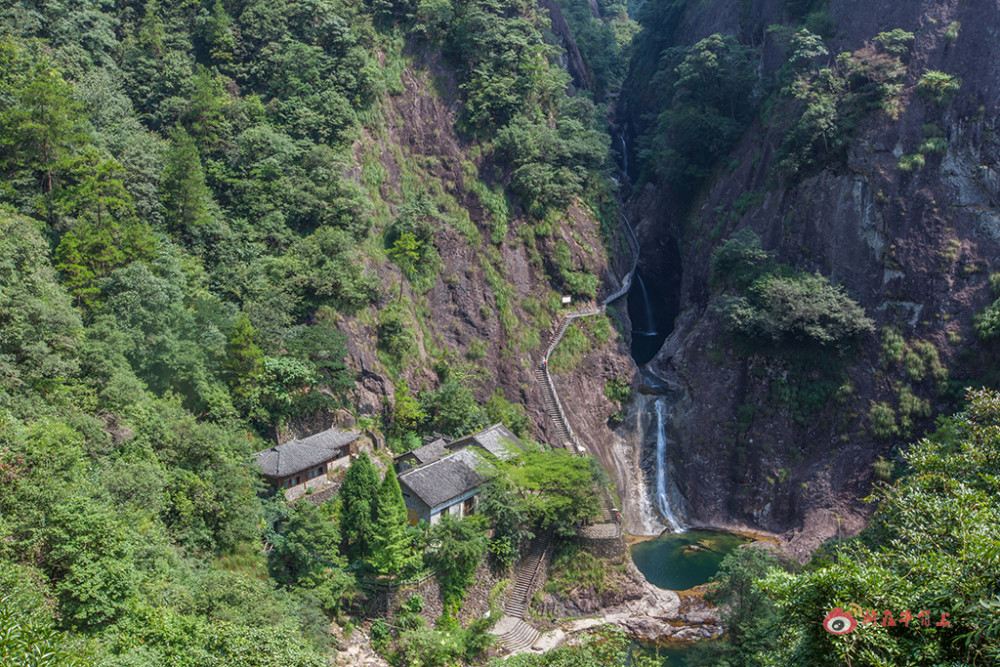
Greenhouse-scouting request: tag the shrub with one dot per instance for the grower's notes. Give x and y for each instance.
(951, 33)
(882, 469)
(618, 390)
(740, 259)
(893, 346)
(934, 146)
(896, 42)
(804, 309)
(914, 365)
(394, 335)
(910, 163)
(511, 415)
(476, 350)
(987, 323)
(882, 421)
(938, 87)
(453, 410)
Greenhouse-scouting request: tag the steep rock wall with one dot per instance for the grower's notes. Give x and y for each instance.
(914, 249)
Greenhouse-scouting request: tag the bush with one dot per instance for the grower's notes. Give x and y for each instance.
(804, 309)
(453, 410)
(893, 346)
(951, 33)
(394, 335)
(511, 415)
(618, 390)
(987, 323)
(934, 146)
(740, 260)
(911, 163)
(896, 42)
(882, 421)
(938, 87)
(573, 568)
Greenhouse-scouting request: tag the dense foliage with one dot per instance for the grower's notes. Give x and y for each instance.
(711, 102)
(921, 580)
(605, 646)
(183, 235)
(775, 307)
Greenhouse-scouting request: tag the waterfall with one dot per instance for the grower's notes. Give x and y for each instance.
(650, 328)
(662, 497)
(624, 155)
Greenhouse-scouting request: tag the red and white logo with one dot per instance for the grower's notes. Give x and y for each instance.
(839, 622)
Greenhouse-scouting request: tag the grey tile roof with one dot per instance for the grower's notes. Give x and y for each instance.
(496, 439)
(430, 452)
(297, 455)
(446, 478)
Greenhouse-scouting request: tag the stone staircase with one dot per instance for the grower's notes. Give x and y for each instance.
(514, 634)
(607, 506)
(517, 599)
(553, 409)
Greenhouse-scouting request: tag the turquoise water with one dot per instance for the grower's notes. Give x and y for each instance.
(675, 656)
(680, 561)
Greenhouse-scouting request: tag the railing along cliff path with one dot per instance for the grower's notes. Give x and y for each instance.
(553, 406)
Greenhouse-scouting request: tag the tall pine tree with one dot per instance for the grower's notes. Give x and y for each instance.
(359, 497)
(392, 549)
(185, 196)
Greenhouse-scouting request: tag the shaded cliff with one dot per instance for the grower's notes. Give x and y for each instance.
(898, 209)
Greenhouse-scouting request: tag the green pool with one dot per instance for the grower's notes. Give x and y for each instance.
(674, 656)
(679, 561)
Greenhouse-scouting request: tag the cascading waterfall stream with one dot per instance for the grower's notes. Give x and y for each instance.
(662, 497)
(650, 324)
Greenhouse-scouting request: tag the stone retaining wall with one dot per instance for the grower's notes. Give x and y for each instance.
(608, 547)
(384, 601)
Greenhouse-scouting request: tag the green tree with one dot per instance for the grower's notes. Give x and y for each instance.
(39, 329)
(510, 519)
(41, 125)
(712, 102)
(453, 409)
(106, 235)
(392, 545)
(325, 348)
(359, 498)
(407, 415)
(30, 642)
(555, 488)
(512, 415)
(939, 520)
(243, 358)
(186, 199)
(805, 309)
(309, 545)
(460, 545)
(749, 614)
(406, 253)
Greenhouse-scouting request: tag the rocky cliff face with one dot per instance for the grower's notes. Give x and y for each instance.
(487, 313)
(915, 247)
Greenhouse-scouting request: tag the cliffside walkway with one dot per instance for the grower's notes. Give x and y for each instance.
(553, 406)
(514, 634)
